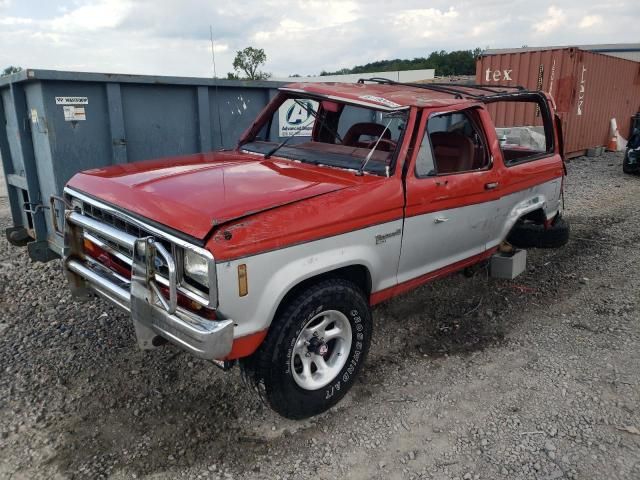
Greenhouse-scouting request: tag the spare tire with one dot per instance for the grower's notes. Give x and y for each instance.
(534, 235)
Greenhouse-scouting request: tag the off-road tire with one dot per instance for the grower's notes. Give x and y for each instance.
(534, 235)
(269, 370)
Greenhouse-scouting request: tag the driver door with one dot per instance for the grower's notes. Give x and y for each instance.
(449, 191)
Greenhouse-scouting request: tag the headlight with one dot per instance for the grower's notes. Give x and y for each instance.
(76, 204)
(196, 268)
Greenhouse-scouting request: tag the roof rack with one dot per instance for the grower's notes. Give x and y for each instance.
(436, 88)
(457, 90)
(481, 86)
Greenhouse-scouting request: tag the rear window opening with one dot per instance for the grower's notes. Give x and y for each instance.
(524, 129)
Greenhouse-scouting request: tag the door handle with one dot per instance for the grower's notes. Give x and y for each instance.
(440, 219)
(491, 185)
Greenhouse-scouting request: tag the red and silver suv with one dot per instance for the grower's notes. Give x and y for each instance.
(338, 197)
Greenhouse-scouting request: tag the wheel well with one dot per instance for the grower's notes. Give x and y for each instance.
(357, 274)
(536, 216)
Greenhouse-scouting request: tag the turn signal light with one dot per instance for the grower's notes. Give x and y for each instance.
(90, 248)
(243, 287)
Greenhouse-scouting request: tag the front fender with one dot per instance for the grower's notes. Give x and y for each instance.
(272, 274)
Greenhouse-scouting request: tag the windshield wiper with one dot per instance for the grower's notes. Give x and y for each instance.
(360, 171)
(311, 112)
(323, 124)
(281, 144)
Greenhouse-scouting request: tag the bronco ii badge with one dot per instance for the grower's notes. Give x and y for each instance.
(382, 238)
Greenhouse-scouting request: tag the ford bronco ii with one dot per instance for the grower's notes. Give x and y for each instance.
(337, 197)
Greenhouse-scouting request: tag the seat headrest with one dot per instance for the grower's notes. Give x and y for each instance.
(352, 137)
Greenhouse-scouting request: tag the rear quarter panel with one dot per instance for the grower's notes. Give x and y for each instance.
(524, 187)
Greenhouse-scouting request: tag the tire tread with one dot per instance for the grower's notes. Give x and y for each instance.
(260, 370)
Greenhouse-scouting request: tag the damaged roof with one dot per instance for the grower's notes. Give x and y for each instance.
(385, 94)
(381, 96)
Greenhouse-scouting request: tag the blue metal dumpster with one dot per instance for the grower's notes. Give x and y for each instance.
(54, 124)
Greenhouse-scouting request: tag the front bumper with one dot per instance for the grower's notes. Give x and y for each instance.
(154, 308)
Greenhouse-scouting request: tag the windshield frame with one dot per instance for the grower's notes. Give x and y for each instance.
(266, 119)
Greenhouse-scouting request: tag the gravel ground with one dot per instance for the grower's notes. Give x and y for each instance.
(468, 378)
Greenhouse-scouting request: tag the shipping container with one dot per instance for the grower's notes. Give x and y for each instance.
(54, 124)
(589, 90)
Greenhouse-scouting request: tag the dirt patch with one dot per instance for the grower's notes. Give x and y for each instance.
(468, 377)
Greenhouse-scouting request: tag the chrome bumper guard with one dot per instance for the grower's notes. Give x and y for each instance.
(152, 312)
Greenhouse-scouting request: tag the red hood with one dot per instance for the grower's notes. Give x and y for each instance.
(192, 194)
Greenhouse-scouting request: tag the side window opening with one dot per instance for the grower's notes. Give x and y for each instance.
(453, 143)
(522, 128)
(424, 162)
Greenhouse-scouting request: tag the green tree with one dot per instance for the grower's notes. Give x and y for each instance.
(248, 61)
(460, 62)
(9, 70)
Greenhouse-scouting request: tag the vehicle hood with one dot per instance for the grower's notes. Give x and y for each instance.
(193, 194)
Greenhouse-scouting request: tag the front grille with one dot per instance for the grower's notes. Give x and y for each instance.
(106, 252)
(104, 216)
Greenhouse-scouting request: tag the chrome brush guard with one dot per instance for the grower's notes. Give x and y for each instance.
(153, 305)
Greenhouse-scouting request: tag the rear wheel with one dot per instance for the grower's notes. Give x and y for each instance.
(313, 351)
(534, 235)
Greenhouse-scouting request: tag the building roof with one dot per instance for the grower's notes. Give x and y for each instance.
(397, 75)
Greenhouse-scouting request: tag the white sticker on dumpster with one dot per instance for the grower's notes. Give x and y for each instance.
(72, 100)
(74, 114)
(297, 117)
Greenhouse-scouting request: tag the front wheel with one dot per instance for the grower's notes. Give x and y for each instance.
(314, 349)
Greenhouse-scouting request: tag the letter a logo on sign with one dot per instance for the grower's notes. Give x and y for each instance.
(295, 118)
(297, 114)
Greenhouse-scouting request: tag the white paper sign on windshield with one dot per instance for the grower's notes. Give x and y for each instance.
(296, 117)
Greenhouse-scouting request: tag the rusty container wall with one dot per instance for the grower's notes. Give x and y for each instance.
(589, 89)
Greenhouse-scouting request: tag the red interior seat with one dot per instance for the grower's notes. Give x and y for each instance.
(352, 137)
(453, 152)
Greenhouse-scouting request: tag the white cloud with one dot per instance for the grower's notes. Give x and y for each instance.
(96, 16)
(331, 13)
(11, 21)
(422, 18)
(589, 21)
(423, 22)
(489, 27)
(555, 18)
(298, 36)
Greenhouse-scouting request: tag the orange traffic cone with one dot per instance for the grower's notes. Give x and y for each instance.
(612, 146)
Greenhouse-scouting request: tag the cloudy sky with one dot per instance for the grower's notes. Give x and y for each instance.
(171, 37)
